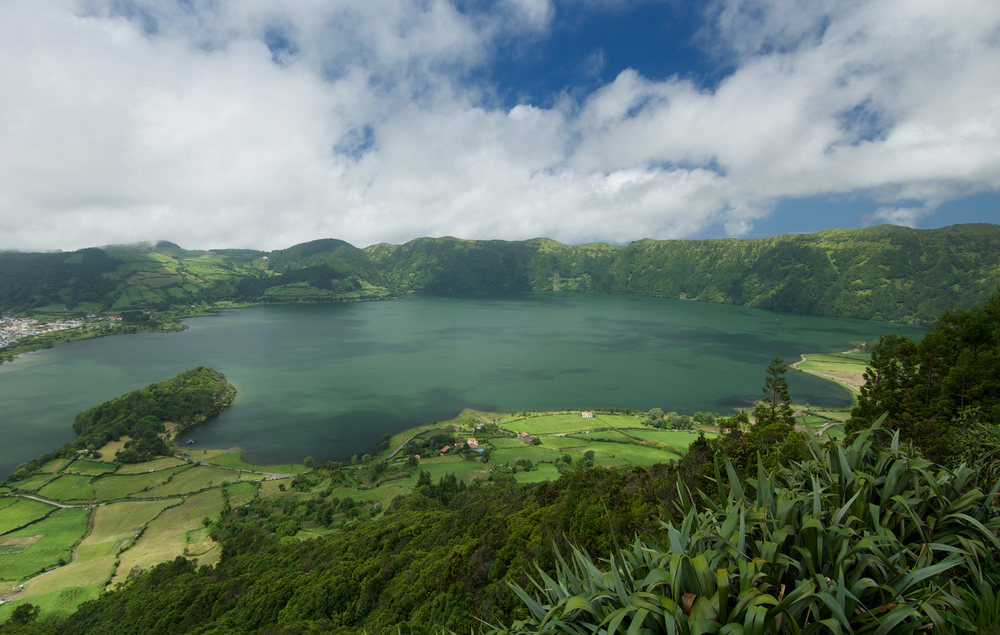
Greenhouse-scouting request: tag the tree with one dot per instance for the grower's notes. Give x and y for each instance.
(776, 407)
(308, 461)
(25, 614)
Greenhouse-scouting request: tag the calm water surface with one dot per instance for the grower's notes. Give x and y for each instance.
(329, 380)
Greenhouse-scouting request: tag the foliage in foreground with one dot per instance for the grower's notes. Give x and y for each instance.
(855, 540)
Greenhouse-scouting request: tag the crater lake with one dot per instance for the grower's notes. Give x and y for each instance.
(327, 380)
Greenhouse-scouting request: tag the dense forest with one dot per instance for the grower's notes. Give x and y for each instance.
(881, 273)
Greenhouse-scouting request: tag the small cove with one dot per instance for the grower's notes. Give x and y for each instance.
(328, 380)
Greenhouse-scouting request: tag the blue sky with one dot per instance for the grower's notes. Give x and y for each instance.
(258, 123)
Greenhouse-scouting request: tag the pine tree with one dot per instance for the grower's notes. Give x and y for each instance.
(776, 407)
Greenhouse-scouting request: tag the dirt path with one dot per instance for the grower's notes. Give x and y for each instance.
(53, 503)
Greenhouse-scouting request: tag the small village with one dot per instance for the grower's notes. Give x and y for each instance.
(15, 328)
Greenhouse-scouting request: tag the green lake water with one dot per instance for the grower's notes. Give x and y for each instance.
(328, 380)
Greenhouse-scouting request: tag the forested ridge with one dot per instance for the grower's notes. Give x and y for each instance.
(882, 273)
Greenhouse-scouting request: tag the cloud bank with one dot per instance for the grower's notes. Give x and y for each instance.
(257, 123)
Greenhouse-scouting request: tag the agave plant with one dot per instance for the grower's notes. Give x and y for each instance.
(856, 540)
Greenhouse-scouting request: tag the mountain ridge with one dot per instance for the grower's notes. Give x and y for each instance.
(883, 272)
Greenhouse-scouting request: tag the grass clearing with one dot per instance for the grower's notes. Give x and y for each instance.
(41, 545)
(191, 480)
(116, 525)
(111, 448)
(617, 454)
(58, 598)
(541, 472)
(68, 487)
(165, 538)
(116, 487)
(155, 465)
(202, 455)
(567, 423)
(34, 483)
(21, 513)
(508, 442)
(91, 468)
(54, 466)
(241, 493)
(679, 439)
(234, 460)
(533, 453)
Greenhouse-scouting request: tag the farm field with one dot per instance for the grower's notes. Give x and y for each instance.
(60, 596)
(68, 488)
(142, 468)
(571, 422)
(240, 493)
(541, 472)
(115, 526)
(166, 537)
(90, 468)
(34, 483)
(679, 439)
(234, 460)
(190, 480)
(41, 545)
(21, 513)
(115, 487)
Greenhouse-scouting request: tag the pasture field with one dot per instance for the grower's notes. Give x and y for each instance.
(34, 483)
(507, 442)
(190, 480)
(116, 487)
(111, 448)
(203, 455)
(571, 422)
(240, 493)
(234, 460)
(57, 595)
(608, 454)
(41, 545)
(54, 465)
(679, 439)
(842, 362)
(198, 542)
(441, 465)
(68, 487)
(269, 489)
(533, 453)
(166, 537)
(156, 464)
(115, 525)
(91, 468)
(7, 501)
(541, 472)
(566, 443)
(21, 513)
(605, 435)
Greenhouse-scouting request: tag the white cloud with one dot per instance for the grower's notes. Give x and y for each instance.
(261, 124)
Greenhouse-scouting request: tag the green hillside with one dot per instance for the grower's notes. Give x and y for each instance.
(881, 273)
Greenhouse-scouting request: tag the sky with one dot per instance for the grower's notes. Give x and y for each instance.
(263, 123)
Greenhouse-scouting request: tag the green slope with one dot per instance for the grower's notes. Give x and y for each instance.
(881, 273)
